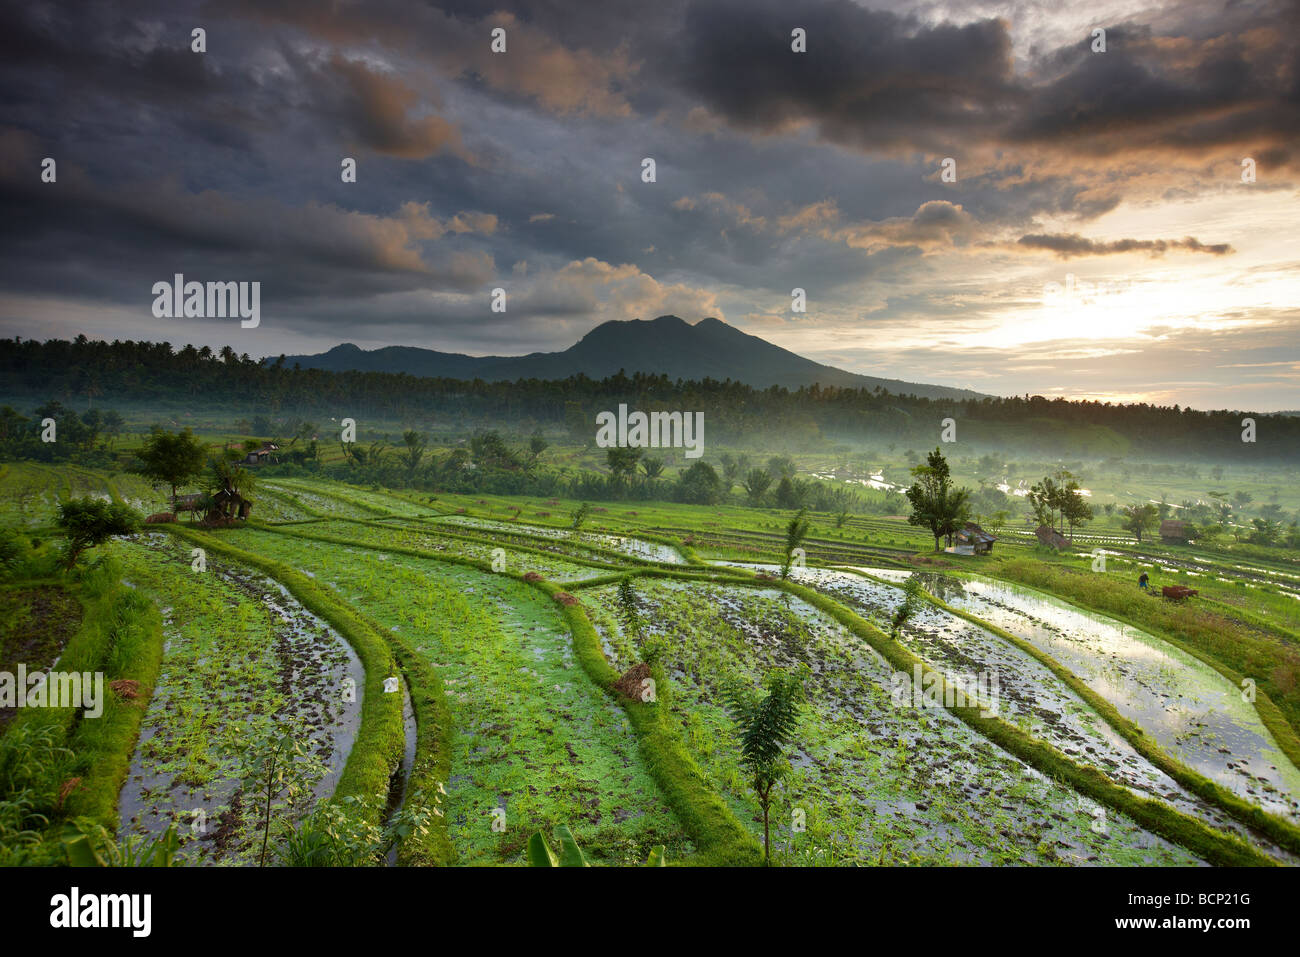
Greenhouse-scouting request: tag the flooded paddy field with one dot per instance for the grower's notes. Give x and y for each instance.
(532, 742)
(426, 537)
(309, 502)
(535, 742)
(445, 535)
(1027, 693)
(623, 544)
(280, 504)
(29, 493)
(337, 499)
(874, 782)
(36, 624)
(1189, 708)
(241, 658)
(1195, 565)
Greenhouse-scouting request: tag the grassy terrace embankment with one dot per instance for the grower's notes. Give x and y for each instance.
(379, 744)
(710, 825)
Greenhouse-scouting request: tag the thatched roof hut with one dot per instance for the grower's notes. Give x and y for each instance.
(227, 506)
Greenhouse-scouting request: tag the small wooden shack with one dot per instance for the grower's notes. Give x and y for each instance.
(263, 455)
(1174, 531)
(1051, 537)
(973, 540)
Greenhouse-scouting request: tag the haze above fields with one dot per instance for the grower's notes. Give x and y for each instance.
(775, 170)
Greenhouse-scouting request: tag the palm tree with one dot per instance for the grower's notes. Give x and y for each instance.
(414, 450)
(757, 482)
(795, 532)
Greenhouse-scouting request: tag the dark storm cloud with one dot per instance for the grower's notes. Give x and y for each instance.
(212, 164)
(159, 227)
(1173, 94)
(102, 47)
(880, 81)
(813, 170)
(100, 64)
(1070, 245)
(873, 80)
(374, 111)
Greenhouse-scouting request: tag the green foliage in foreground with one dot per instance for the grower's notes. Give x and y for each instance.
(27, 755)
(87, 522)
(345, 832)
(570, 854)
(766, 724)
(88, 844)
(279, 767)
(55, 768)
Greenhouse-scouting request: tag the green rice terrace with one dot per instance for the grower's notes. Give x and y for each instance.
(353, 674)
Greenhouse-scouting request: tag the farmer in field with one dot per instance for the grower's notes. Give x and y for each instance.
(1142, 581)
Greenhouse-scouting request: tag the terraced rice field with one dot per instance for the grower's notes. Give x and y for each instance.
(241, 657)
(876, 784)
(512, 637)
(536, 740)
(1191, 709)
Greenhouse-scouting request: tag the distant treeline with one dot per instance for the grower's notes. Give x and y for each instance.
(735, 413)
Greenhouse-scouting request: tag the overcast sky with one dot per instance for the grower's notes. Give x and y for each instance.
(1116, 175)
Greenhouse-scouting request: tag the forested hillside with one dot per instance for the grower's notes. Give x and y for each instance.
(94, 371)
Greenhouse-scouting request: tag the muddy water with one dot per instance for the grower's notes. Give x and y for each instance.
(1026, 693)
(885, 783)
(400, 781)
(202, 693)
(1189, 708)
(1196, 565)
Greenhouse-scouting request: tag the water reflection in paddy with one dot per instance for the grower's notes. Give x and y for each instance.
(1189, 708)
(1030, 696)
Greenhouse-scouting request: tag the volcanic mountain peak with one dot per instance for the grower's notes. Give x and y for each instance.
(666, 345)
